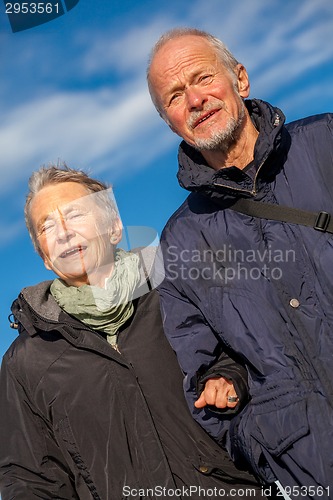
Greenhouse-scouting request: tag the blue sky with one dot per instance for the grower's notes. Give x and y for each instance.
(74, 90)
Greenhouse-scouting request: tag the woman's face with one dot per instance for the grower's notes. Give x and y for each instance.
(73, 233)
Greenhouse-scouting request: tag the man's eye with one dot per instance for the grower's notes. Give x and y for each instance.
(174, 98)
(205, 78)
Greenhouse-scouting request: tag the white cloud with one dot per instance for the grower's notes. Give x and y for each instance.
(100, 128)
(127, 53)
(114, 126)
(271, 34)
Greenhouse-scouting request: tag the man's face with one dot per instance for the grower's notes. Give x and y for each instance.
(199, 97)
(73, 233)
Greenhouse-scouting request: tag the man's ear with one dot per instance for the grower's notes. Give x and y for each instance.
(117, 231)
(173, 130)
(243, 82)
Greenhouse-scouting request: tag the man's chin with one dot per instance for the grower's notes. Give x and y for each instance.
(219, 142)
(213, 145)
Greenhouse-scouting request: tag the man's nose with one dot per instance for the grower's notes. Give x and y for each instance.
(195, 99)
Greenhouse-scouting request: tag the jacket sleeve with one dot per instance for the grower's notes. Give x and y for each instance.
(27, 471)
(197, 350)
(233, 370)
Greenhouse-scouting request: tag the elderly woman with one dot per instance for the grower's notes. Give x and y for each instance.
(91, 394)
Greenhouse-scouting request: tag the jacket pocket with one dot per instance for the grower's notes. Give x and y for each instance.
(279, 417)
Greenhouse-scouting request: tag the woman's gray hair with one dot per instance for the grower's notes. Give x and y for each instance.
(55, 174)
(223, 53)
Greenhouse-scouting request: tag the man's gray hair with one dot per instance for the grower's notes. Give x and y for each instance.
(55, 174)
(223, 53)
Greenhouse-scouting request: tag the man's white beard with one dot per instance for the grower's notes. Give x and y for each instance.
(221, 140)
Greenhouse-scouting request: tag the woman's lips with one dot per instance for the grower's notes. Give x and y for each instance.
(72, 251)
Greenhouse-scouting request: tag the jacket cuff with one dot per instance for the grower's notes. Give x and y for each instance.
(232, 371)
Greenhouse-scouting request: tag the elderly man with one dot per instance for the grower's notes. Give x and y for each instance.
(243, 270)
(91, 399)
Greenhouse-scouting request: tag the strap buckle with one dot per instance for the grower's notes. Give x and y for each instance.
(322, 221)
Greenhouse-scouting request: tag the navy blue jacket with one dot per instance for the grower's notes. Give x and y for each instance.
(263, 290)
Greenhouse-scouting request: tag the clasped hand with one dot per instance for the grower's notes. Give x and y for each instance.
(217, 392)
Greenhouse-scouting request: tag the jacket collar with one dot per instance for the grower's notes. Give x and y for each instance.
(195, 175)
(36, 307)
(36, 310)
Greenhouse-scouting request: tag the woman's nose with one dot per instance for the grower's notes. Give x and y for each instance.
(63, 230)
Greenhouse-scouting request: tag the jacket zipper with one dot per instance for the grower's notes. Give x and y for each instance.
(115, 346)
(253, 192)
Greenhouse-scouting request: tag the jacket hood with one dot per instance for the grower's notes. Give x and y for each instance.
(194, 174)
(35, 307)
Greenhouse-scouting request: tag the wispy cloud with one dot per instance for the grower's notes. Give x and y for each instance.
(109, 122)
(85, 128)
(127, 54)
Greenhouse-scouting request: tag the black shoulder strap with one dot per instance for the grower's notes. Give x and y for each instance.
(321, 221)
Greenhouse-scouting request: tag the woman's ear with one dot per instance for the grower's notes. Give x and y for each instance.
(47, 263)
(45, 259)
(117, 231)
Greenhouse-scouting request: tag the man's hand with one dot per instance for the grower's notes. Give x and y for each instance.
(216, 393)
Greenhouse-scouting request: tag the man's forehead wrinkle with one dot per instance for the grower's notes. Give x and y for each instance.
(174, 72)
(182, 71)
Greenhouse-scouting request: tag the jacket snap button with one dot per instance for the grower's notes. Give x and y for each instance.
(204, 469)
(294, 303)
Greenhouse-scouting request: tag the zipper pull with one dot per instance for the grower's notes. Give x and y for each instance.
(115, 347)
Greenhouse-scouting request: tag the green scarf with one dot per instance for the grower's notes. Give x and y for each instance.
(107, 308)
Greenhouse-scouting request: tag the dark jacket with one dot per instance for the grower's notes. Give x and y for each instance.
(79, 420)
(264, 290)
